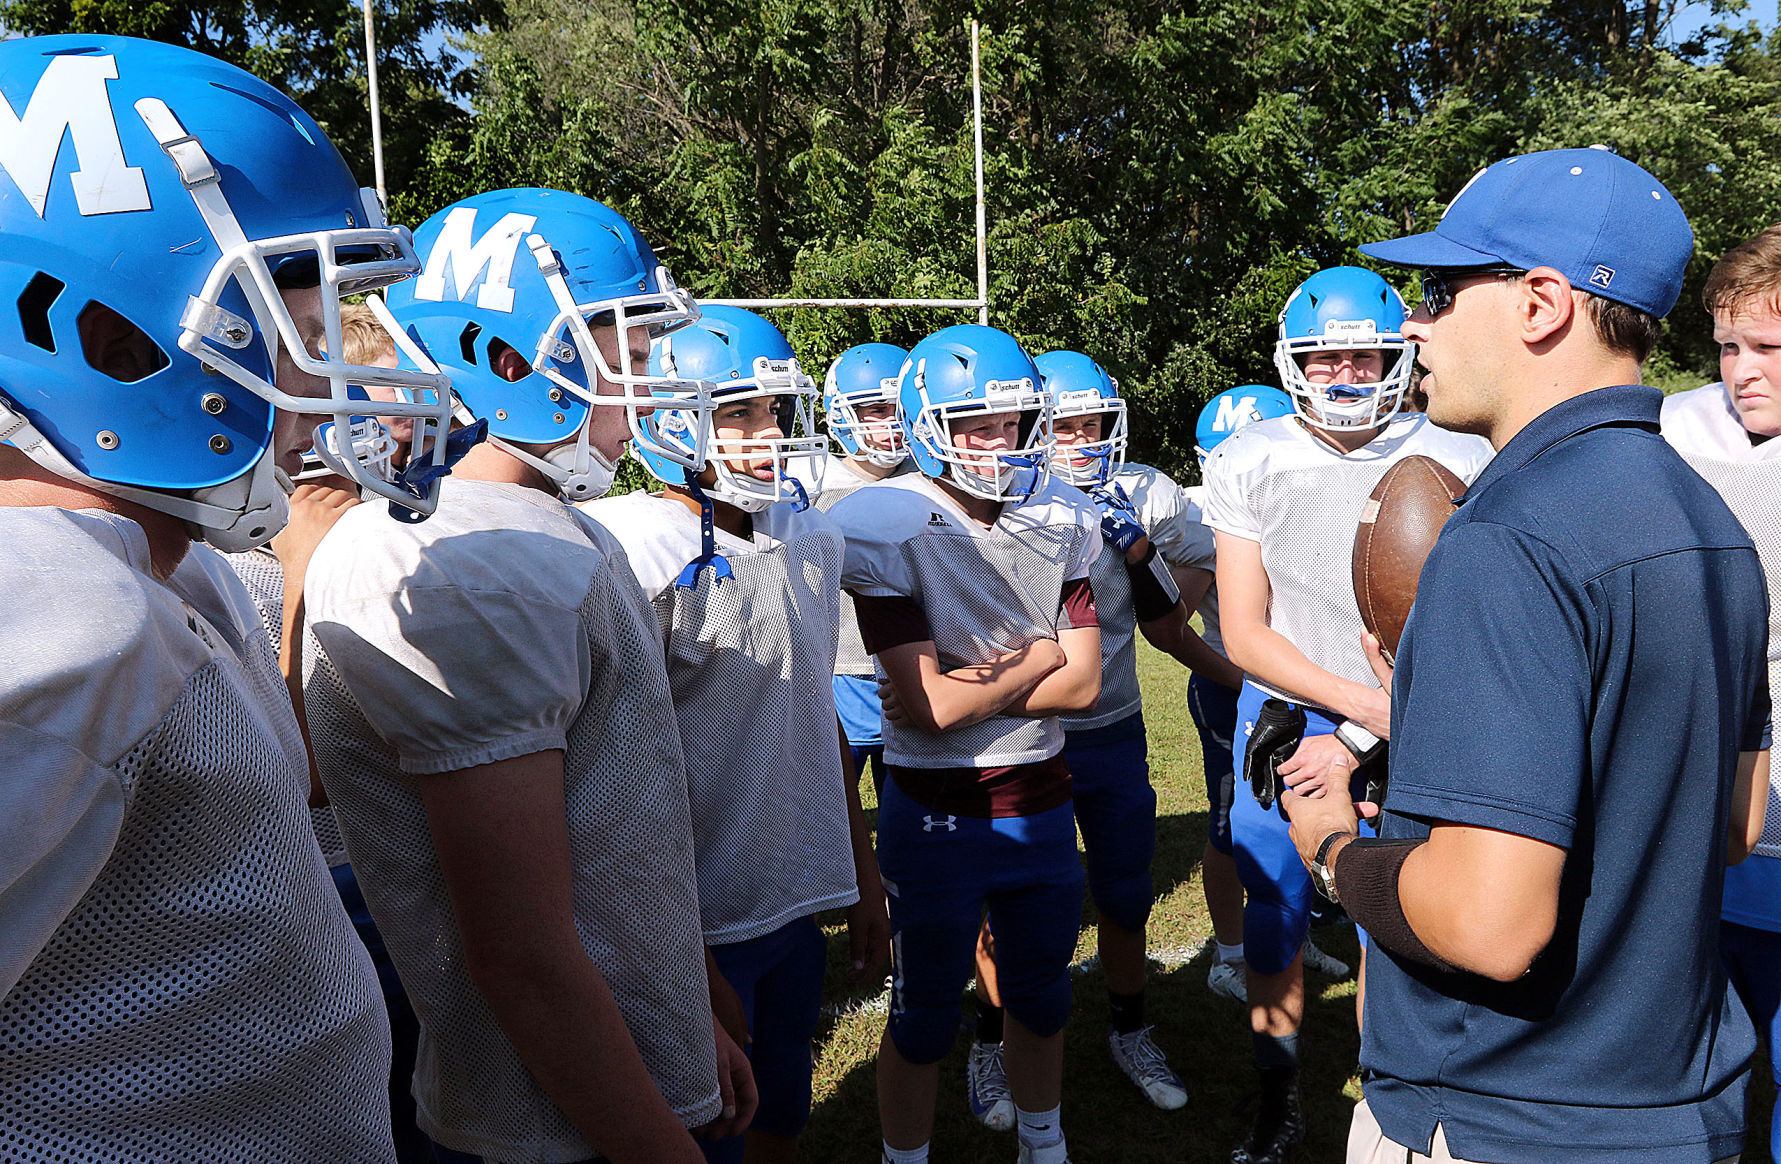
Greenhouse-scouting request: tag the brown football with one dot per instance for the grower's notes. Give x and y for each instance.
(1398, 528)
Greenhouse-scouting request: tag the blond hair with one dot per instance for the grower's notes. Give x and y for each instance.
(363, 338)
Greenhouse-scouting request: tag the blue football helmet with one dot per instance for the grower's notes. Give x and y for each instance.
(971, 370)
(539, 271)
(159, 193)
(1081, 387)
(743, 357)
(1345, 308)
(862, 375)
(1234, 408)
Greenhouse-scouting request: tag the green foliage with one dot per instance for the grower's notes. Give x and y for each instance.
(1159, 175)
(315, 51)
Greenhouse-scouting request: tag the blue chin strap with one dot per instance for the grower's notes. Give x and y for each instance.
(801, 500)
(417, 480)
(708, 555)
(1103, 471)
(1026, 475)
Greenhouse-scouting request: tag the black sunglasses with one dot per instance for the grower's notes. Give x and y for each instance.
(1438, 287)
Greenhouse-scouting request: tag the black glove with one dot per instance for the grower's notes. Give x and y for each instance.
(1278, 729)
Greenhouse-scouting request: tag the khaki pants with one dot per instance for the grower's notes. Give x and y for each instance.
(1368, 1145)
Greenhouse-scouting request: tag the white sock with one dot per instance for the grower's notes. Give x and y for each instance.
(906, 1155)
(1042, 1132)
(1229, 953)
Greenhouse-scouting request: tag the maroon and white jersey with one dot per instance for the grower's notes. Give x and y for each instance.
(749, 665)
(1703, 426)
(983, 592)
(178, 979)
(1180, 538)
(504, 625)
(1275, 483)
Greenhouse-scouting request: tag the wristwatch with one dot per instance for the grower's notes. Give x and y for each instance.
(1326, 877)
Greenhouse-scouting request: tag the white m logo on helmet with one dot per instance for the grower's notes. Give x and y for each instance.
(1234, 414)
(71, 99)
(493, 252)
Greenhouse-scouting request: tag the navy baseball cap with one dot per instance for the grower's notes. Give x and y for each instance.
(1601, 221)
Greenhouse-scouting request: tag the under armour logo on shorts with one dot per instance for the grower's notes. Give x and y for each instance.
(929, 824)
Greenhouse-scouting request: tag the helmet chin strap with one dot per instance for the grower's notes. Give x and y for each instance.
(708, 555)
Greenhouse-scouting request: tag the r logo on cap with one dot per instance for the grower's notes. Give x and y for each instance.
(1603, 277)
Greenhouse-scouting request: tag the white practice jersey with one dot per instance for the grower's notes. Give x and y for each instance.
(503, 625)
(985, 592)
(1703, 426)
(840, 479)
(1163, 512)
(260, 571)
(1201, 553)
(178, 980)
(1275, 483)
(749, 660)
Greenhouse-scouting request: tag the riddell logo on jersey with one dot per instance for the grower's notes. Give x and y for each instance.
(937, 520)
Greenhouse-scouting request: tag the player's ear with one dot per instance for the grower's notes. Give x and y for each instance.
(508, 363)
(1546, 306)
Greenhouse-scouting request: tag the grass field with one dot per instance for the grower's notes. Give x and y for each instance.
(1205, 1036)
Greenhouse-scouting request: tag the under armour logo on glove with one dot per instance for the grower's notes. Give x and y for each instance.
(1119, 518)
(929, 824)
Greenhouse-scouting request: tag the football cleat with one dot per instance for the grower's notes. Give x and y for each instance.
(986, 1086)
(1324, 964)
(1143, 1063)
(1279, 1121)
(1228, 979)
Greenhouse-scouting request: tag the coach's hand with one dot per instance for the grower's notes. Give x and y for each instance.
(1313, 819)
(735, 1085)
(1319, 763)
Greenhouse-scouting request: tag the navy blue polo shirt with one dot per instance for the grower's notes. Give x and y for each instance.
(1583, 664)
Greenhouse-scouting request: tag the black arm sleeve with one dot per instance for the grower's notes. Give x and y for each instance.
(1367, 883)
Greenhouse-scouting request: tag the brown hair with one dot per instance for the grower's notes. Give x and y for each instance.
(1623, 329)
(362, 337)
(1747, 278)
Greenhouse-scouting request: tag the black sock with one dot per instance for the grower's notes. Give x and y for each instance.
(989, 1022)
(1127, 1011)
(1275, 1050)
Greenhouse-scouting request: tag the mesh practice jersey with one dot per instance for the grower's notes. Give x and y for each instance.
(1275, 483)
(178, 980)
(260, 571)
(1703, 426)
(501, 626)
(985, 592)
(839, 480)
(1202, 554)
(1163, 512)
(749, 660)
